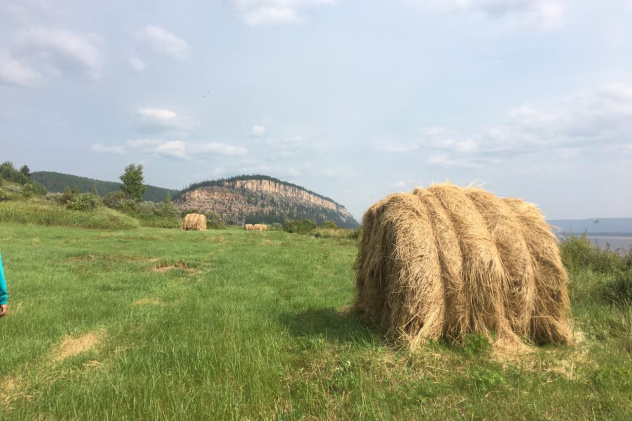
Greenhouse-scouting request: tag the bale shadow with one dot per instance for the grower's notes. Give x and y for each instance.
(330, 324)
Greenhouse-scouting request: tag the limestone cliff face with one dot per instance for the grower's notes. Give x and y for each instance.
(264, 200)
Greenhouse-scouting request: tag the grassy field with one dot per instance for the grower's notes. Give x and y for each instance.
(159, 324)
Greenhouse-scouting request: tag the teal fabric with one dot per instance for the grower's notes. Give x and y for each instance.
(3, 285)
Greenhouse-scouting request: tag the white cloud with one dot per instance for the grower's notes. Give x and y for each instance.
(137, 64)
(67, 51)
(389, 146)
(164, 42)
(540, 14)
(162, 121)
(180, 150)
(13, 72)
(343, 173)
(98, 148)
(590, 123)
(174, 149)
(274, 12)
(257, 130)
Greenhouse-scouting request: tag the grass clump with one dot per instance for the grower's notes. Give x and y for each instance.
(612, 268)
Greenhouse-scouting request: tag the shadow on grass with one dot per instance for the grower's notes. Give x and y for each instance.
(331, 324)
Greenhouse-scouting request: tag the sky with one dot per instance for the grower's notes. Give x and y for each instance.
(352, 99)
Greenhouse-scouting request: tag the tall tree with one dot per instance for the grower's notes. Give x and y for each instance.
(133, 180)
(26, 171)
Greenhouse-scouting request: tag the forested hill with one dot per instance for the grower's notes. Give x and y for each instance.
(260, 198)
(57, 182)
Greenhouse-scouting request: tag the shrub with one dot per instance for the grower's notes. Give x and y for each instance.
(84, 202)
(121, 202)
(3, 195)
(276, 227)
(27, 190)
(329, 225)
(64, 197)
(300, 226)
(214, 220)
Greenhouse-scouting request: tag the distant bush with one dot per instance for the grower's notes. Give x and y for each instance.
(275, 227)
(329, 225)
(300, 226)
(27, 190)
(3, 195)
(85, 202)
(121, 202)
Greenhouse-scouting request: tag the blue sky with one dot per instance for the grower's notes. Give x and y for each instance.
(351, 99)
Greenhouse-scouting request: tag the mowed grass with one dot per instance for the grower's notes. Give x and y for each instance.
(158, 324)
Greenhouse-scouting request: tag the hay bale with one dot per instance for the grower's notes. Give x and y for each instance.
(445, 261)
(260, 227)
(249, 227)
(194, 222)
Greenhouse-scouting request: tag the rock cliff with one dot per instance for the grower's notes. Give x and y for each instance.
(254, 199)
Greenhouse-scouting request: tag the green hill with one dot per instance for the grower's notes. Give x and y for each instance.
(57, 182)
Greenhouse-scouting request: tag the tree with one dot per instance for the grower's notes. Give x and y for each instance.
(94, 189)
(133, 180)
(26, 171)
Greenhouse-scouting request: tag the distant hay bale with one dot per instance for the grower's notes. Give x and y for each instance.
(194, 222)
(249, 227)
(260, 227)
(445, 261)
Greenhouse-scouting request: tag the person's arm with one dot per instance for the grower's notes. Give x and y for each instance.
(3, 291)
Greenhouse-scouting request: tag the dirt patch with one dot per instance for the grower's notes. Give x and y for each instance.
(73, 346)
(148, 301)
(82, 258)
(13, 388)
(165, 267)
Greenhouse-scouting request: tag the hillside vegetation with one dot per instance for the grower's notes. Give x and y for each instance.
(58, 183)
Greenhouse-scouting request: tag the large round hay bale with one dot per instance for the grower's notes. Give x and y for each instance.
(194, 222)
(249, 227)
(445, 261)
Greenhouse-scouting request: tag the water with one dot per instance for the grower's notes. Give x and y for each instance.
(614, 242)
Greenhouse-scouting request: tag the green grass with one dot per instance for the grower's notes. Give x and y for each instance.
(232, 325)
(39, 212)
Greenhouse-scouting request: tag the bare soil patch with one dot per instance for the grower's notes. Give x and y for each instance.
(73, 346)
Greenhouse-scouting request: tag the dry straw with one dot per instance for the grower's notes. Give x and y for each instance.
(260, 227)
(194, 222)
(445, 261)
(249, 227)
